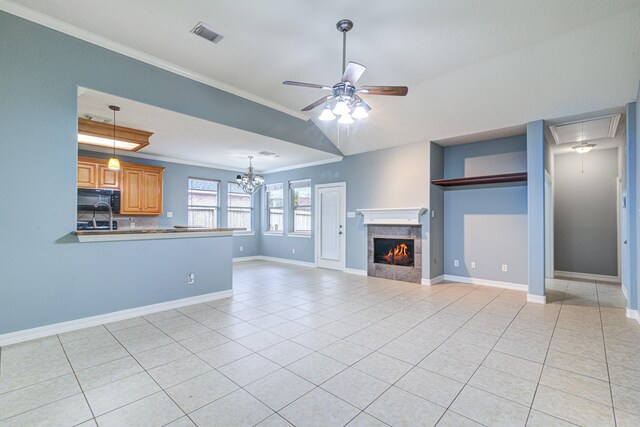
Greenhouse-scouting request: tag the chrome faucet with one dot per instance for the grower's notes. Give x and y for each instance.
(110, 214)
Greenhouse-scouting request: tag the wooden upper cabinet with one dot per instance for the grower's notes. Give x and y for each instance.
(140, 185)
(87, 174)
(108, 178)
(141, 189)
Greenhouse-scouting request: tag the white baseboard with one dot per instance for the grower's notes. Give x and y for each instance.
(275, 259)
(355, 271)
(288, 261)
(247, 258)
(73, 325)
(633, 314)
(434, 281)
(537, 299)
(485, 282)
(624, 292)
(586, 276)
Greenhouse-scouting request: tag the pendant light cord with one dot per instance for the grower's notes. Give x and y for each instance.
(114, 133)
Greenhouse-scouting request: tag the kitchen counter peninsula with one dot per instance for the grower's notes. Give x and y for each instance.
(152, 234)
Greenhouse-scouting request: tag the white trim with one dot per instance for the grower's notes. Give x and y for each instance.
(434, 281)
(317, 217)
(392, 216)
(274, 233)
(537, 299)
(73, 325)
(114, 236)
(247, 258)
(624, 292)
(485, 282)
(244, 233)
(288, 261)
(305, 165)
(633, 314)
(586, 276)
(88, 36)
(355, 271)
(300, 235)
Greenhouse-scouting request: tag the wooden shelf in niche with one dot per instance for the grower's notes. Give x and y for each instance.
(482, 180)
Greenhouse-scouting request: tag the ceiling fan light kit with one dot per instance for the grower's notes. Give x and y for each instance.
(344, 101)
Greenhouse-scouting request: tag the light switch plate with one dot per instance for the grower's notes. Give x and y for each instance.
(351, 214)
(169, 214)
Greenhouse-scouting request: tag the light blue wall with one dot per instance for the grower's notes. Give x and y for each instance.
(174, 197)
(46, 277)
(535, 206)
(628, 227)
(486, 224)
(436, 257)
(395, 177)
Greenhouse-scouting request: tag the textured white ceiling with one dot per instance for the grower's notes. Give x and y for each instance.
(471, 66)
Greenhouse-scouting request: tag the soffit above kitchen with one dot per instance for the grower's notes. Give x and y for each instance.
(184, 139)
(471, 66)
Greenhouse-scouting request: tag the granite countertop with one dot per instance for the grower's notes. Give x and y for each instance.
(177, 229)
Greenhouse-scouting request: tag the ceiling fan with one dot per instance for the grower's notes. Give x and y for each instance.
(345, 101)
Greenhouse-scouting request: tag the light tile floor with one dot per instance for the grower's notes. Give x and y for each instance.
(320, 348)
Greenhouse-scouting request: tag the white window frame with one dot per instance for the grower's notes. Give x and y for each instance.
(267, 189)
(299, 183)
(250, 231)
(216, 208)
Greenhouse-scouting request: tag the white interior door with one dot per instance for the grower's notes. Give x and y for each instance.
(330, 229)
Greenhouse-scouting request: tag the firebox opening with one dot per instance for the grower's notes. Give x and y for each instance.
(393, 251)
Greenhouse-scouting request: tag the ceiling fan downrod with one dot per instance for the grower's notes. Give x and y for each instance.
(343, 26)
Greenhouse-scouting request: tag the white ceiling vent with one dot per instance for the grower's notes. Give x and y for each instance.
(585, 130)
(206, 32)
(268, 154)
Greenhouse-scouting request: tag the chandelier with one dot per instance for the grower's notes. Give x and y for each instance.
(250, 182)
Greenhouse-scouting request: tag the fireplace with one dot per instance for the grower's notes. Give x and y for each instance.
(393, 251)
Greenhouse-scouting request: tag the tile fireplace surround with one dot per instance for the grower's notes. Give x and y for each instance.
(396, 272)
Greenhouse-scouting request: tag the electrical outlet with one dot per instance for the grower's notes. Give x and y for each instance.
(473, 264)
(132, 225)
(191, 279)
(241, 248)
(505, 268)
(293, 251)
(169, 214)
(456, 263)
(433, 214)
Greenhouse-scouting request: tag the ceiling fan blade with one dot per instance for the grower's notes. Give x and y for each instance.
(384, 90)
(315, 104)
(363, 102)
(353, 72)
(311, 85)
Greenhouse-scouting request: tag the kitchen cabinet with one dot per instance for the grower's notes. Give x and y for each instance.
(141, 189)
(94, 173)
(87, 174)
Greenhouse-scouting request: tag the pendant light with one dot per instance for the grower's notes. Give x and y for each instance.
(250, 182)
(583, 147)
(114, 163)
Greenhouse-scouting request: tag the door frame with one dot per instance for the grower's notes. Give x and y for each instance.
(343, 244)
(549, 227)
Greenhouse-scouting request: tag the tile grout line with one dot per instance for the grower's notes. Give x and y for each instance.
(606, 360)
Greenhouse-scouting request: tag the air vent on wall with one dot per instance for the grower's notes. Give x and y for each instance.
(206, 32)
(585, 130)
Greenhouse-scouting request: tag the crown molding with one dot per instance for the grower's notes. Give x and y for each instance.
(89, 37)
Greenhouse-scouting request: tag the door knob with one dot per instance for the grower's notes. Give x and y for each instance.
(339, 232)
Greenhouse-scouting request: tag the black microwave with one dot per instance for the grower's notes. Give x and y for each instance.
(88, 198)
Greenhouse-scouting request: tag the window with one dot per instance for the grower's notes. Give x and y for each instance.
(203, 203)
(301, 206)
(275, 209)
(239, 207)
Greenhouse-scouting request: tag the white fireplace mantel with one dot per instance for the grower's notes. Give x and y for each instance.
(392, 216)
